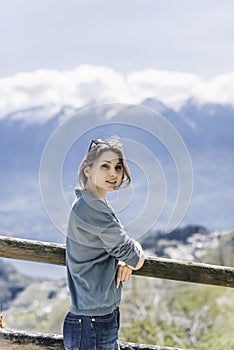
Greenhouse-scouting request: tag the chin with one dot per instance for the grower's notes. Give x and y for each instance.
(111, 188)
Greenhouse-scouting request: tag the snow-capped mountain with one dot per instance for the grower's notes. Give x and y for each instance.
(207, 131)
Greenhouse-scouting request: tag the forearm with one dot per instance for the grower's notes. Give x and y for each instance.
(124, 271)
(141, 260)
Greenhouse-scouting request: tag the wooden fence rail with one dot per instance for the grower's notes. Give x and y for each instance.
(52, 253)
(12, 340)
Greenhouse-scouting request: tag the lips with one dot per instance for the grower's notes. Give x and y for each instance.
(112, 182)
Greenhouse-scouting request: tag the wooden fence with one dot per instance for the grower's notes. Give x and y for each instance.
(52, 253)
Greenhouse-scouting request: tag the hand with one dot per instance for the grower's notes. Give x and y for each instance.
(124, 273)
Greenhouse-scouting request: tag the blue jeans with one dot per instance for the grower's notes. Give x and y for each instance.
(91, 332)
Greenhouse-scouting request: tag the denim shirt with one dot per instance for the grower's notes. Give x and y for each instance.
(96, 241)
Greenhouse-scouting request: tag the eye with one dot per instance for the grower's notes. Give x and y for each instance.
(118, 167)
(105, 166)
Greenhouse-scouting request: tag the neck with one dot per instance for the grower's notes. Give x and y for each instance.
(95, 192)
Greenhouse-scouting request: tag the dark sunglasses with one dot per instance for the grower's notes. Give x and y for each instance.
(95, 143)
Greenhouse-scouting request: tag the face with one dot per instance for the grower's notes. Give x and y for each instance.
(104, 175)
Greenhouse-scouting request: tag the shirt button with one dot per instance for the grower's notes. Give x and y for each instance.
(93, 319)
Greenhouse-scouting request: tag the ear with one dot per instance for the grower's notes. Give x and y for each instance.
(87, 171)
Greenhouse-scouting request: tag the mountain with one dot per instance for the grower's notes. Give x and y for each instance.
(39, 307)
(191, 243)
(206, 130)
(12, 283)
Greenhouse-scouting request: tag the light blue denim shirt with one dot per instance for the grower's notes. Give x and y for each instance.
(96, 241)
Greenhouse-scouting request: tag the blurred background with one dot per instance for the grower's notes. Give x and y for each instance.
(60, 58)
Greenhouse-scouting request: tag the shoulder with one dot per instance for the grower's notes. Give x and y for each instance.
(85, 203)
(90, 209)
(92, 215)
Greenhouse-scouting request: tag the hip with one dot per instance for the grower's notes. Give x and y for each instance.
(91, 332)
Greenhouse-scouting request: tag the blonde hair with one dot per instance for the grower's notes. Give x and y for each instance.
(97, 147)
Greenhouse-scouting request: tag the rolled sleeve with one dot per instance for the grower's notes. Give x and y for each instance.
(117, 243)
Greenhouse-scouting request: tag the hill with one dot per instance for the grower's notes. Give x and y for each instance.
(187, 243)
(12, 283)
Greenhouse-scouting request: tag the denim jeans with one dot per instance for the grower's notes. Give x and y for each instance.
(91, 332)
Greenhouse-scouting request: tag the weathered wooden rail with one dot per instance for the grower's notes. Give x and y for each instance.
(52, 253)
(36, 341)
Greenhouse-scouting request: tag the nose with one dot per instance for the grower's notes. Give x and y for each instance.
(112, 172)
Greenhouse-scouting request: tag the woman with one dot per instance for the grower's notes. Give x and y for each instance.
(100, 255)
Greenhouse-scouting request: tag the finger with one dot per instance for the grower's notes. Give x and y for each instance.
(119, 276)
(126, 274)
(118, 279)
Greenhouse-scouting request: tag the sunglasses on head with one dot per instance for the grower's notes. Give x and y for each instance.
(95, 143)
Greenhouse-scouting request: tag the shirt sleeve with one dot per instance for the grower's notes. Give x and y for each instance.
(117, 243)
(99, 227)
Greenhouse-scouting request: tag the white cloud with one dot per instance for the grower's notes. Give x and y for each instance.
(218, 90)
(171, 88)
(48, 90)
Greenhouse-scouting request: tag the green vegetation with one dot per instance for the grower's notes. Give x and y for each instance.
(159, 312)
(187, 316)
(41, 307)
(183, 315)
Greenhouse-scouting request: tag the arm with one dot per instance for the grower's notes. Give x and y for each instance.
(124, 271)
(141, 260)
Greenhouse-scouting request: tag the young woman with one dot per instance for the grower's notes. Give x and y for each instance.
(100, 255)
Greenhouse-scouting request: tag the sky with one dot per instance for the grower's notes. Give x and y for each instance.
(193, 36)
(72, 52)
